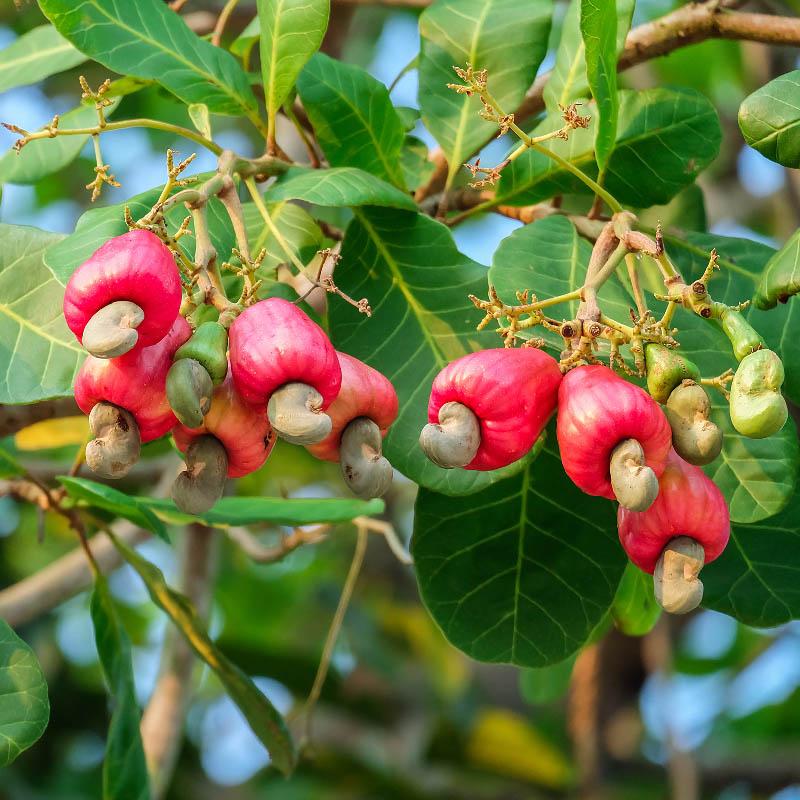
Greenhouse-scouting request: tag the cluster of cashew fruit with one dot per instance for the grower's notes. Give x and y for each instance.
(223, 393)
(488, 408)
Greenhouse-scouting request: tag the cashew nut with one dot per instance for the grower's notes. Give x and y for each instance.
(635, 484)
(695, 437)
(189, 390)
(295, 412)
(678, 588)
(365, 470)
(201, 484)
(112, 330)
(455, 440)
(117, 444)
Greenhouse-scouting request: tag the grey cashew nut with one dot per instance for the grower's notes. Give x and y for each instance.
(635, 484)
(455, 440)
(678, 588)
(366, 472)
(295, 412)
(201, 484)
(695, 437)
(189, 390)
(112, 330)
(117, 444)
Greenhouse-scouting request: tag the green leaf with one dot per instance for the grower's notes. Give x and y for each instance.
(97, 225)
(541, 685)
(147, 40)
(568, 81)
(521, 572)
(267, 724)
(339, 186)
(273, 510)
(551, 257)
(417, 282)
(770, 120)
(665, 138)
(9, 466)
(43, 157)
(98, 495)
(757, 578)
(353, 117)
(757, 476)
(36, 55)
(38, 353)
(417, 169)
(124, 768)
(635, 610)
(201, 119)
(780, 279)
(24, 705)
(599, 32)
(291, 32)
(482, 33)
(243, 45)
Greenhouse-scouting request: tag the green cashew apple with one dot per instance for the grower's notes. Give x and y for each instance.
(757, 406)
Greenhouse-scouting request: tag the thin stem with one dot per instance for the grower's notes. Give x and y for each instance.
(222, 21)
(313, 158)
(609, 268)
(633, 275)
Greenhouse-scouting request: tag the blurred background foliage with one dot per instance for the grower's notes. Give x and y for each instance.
(699, 702)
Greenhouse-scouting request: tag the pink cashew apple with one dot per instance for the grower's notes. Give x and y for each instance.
(282, 359)
(126, 400)
(234, 440)
(487, 409)
(613, 437)
(687, 526)
(126, 294)
(360, 416)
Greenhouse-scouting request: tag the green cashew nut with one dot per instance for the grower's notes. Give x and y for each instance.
(189, 390)
(757, 406)
(744, 338)
(695, 437)
(666, 369)
(208, 346)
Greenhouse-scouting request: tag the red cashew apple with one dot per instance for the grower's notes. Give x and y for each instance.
(234, 440)
(687, 526)
(126, 401)
(360, 416)
(127, 293)
(613, 437)
(282, 359)
(487, 409)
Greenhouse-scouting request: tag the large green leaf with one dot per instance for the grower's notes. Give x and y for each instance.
(39, 356)
(97, 225)
(417, 282)
(147, 40)
(353, 117)
(291, 32)
(24, 705)
(665, 138)
(568, 81)
(124, 768)
(770, 119)
(339, 186)
(482, 33)
(45, 156)
(37, 54)
(757, 578)
(267, 724)
(107, 498)
(550, 258)
(269, 510)
(599, 33)
(521, 572)
(757, 476)
(780, 279)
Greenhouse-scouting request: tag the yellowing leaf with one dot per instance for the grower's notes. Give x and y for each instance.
(53, 433)
(505, 743)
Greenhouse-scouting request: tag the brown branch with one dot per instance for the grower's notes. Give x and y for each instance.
(689, 24)
(163, 718)
(15, 418)
(270, 554)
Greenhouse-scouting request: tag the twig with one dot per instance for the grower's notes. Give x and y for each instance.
(222, 21)
(266, 554)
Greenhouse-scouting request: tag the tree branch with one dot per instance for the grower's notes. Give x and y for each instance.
(162, 721)
(15, 418)
(689, 24)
